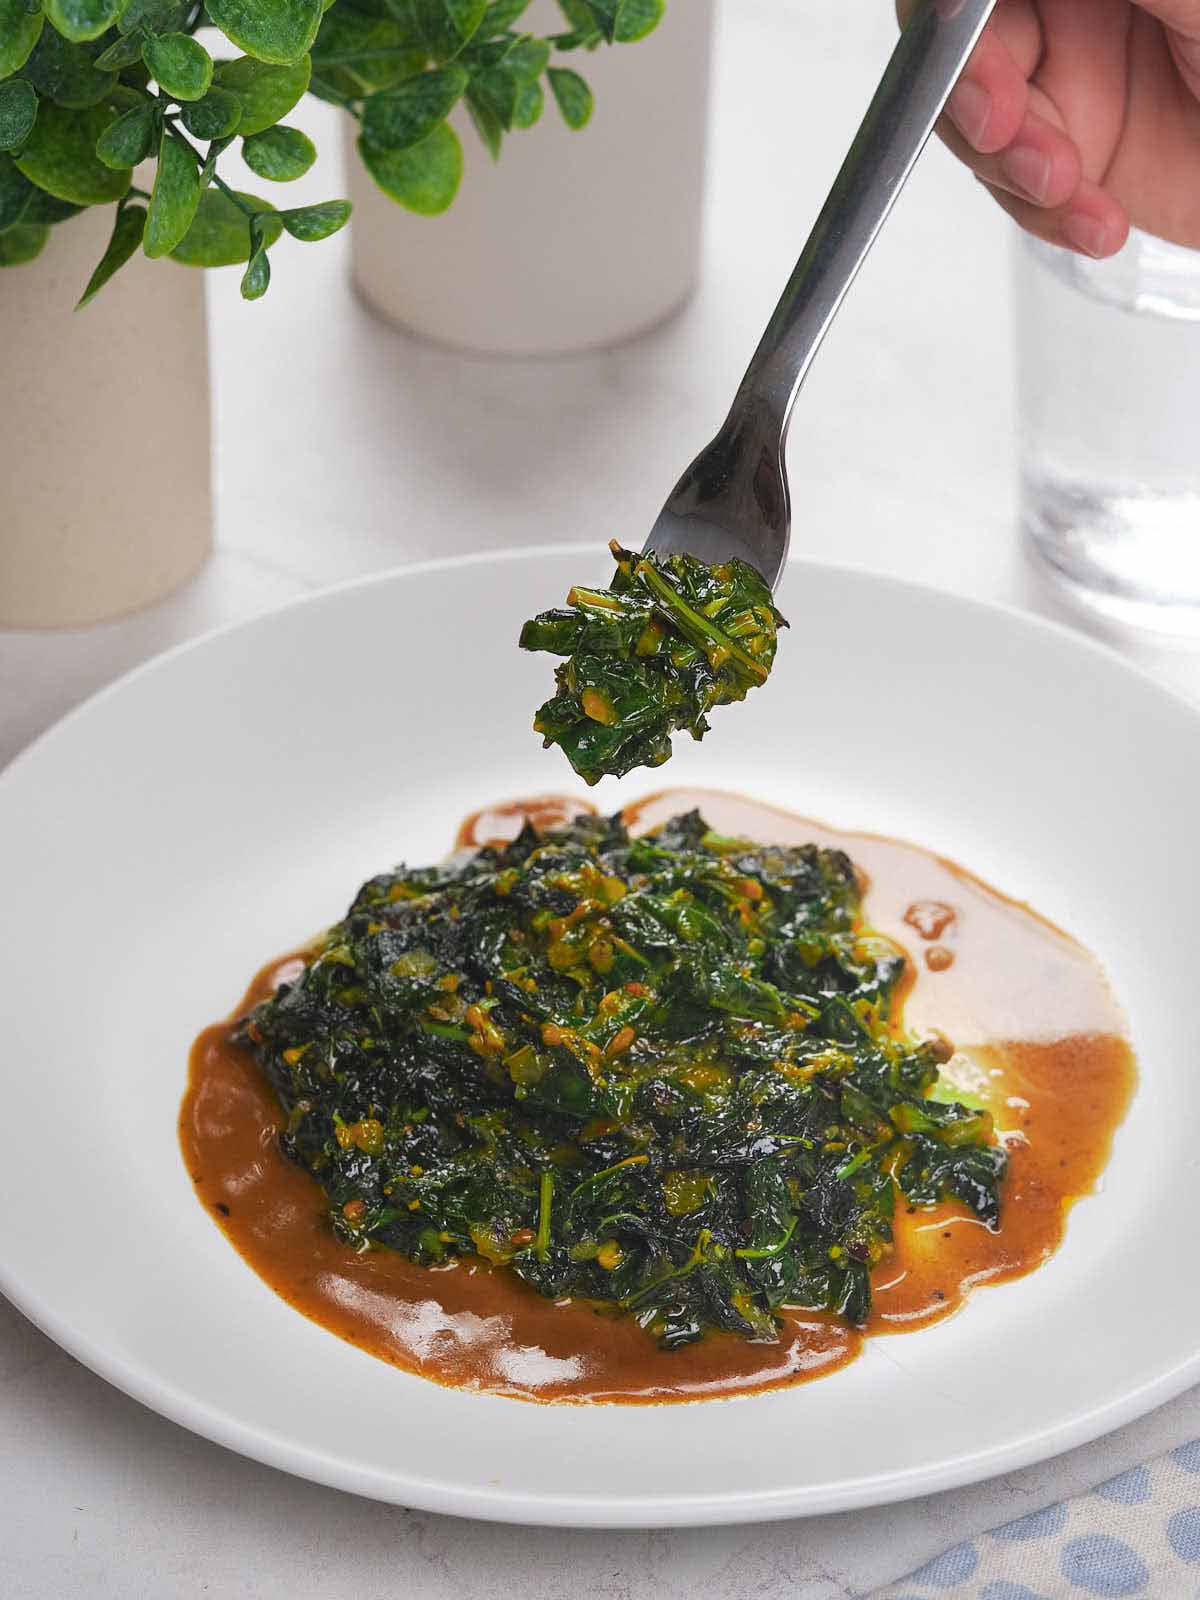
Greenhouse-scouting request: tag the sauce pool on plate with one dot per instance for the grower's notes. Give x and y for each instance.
(1039, 1039)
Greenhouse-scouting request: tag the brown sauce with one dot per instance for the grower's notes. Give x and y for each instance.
(1039, 1038)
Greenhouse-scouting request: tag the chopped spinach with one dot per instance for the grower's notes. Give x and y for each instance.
(665, 1072)
(671, 639)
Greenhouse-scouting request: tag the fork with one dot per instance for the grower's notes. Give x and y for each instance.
(733, 500)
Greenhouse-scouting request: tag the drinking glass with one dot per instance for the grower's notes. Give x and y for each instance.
(1108, 360)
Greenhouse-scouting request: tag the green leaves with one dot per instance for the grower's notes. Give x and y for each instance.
(527, 58)
(15, 192)
(355, 52)
(257, 276)
(18, 113)
(398, 118)
(220, 233)
(122, 52)
(613, 21)
(60, 155)
(423, 178)
(216, 116)
(530, 104)
(445, 26)
(130, 138)
(78, 20)
(19, 32)
(22, 243)
(154, 16)
(82, 114)
(636, 18)
(279, 154)
(572, 95)
(310, 224)
(43, 207)
(175, 198)
(265, 92)
(500, 16)
(66, 73)
(182, 68)
(126, 236)
(276, 31)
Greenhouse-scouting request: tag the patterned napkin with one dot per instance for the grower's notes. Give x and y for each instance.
(1137, 1534)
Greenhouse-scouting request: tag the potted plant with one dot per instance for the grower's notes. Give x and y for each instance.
(114, 119)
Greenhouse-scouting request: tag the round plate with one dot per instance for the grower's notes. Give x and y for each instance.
(224, 802)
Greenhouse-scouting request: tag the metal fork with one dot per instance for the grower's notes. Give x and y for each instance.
(733, 500)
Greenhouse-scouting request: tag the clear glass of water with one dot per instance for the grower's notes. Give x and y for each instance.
(1108, 361)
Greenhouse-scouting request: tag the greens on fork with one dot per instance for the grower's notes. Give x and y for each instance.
(672, 638)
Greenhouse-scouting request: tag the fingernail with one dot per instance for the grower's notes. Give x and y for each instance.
(1085, 233)
(1029, 169)
(969, 108)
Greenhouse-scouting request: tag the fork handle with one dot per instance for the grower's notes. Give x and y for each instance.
(931, 52)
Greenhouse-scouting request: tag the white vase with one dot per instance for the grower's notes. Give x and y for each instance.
(104, 436)
(572, 240)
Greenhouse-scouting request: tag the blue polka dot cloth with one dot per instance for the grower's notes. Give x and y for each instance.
(1137, 1534)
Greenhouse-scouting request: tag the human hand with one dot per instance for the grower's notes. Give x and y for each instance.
(1083, 116)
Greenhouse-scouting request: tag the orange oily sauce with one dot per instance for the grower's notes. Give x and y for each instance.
(1039, 1039)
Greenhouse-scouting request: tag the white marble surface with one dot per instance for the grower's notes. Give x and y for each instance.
(343, 448)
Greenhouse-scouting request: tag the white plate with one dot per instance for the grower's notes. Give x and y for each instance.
(224, 801)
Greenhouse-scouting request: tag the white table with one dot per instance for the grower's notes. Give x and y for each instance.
(343, 448)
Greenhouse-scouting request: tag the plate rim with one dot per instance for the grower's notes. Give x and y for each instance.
(585, 1510)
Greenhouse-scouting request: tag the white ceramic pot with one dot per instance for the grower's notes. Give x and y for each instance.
(104, 439)
(572, 240)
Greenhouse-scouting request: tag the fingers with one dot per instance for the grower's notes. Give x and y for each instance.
(1040, 163)
(989, 102)
(1011, 134)
(1092, 224)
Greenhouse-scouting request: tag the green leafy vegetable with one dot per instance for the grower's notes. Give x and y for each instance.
(664, 1072)
(126, 237)
(18, 113)
(671, 639)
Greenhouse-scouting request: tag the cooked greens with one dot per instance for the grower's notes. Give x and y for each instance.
(671, 639)
(665, 1072)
